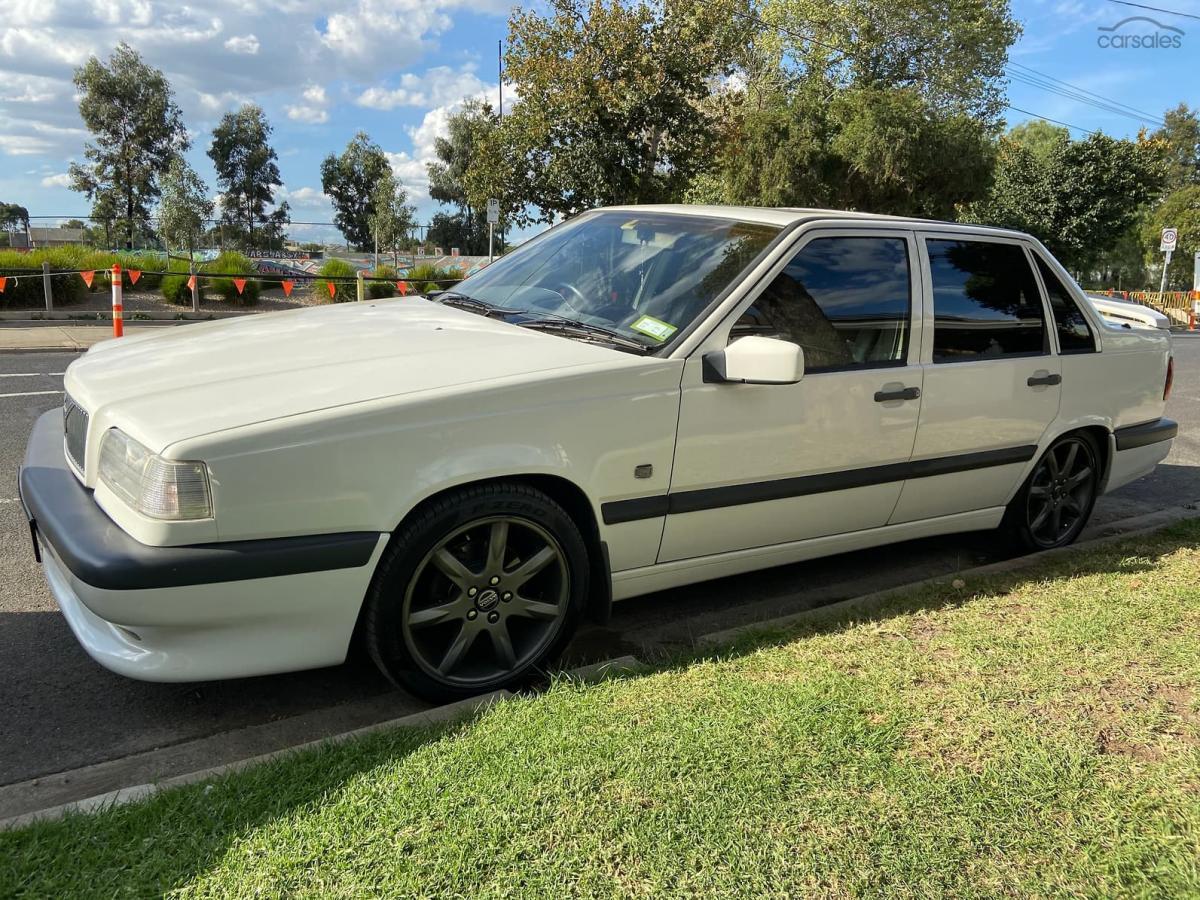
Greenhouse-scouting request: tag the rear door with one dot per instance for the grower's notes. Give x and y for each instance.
(991, 383)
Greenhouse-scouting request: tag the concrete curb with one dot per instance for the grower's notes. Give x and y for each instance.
(868, 603)
(123, 796)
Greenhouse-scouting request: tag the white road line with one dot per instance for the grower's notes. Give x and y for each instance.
(10, 500)
(29, 394)
(29, 374)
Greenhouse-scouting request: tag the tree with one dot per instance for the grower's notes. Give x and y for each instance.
(184, 207)
(247, 169)
(350, 181)
(129, 108)
(884, 107)
(1181, 134)
(391, 215)
(1079, 200)
(1181, 210)
(1040, 137)
(466, 131)
(611, 102)
(13, 217)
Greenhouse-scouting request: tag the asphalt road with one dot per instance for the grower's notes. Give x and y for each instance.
(59, 710)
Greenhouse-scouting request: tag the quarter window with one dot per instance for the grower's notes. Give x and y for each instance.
(1074, 335)
(845, 300)
(985, 302)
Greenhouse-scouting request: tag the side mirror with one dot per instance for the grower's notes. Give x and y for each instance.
(755, 360)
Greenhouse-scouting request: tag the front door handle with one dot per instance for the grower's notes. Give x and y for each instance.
(908, 393)
(1043, 378)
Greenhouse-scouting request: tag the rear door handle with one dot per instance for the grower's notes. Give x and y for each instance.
(908, 393)
(1035, 380)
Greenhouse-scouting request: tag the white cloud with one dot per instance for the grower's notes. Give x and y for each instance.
(246, 45)
(439, 86)
(369, 34)
(60, 180)
(312, 111)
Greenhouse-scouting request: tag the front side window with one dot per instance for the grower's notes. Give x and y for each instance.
(1074, 335)
(645, 276)
(986, 303)
(844, 300)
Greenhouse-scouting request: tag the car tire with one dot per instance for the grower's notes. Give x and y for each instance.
(478, 590)
(1054, 504)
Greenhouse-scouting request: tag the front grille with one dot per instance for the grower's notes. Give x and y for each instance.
(75, 425)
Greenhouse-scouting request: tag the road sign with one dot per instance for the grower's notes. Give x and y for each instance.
(493, 211)
(1170, 237)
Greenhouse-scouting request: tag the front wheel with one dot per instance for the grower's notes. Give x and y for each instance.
(479, 590)
(1054, 504)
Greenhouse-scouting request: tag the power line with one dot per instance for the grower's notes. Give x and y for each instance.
(1076, 95)
(1080, 90)
(1169, 12)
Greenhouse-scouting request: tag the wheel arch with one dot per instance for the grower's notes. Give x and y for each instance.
(1101, 432)
(571, 497)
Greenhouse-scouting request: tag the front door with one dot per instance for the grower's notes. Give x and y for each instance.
(991, 385)
(759, 465)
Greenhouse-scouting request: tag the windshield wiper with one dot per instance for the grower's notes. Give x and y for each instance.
(584, 330)
(462, 301)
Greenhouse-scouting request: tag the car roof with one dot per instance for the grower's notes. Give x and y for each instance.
(791, 215)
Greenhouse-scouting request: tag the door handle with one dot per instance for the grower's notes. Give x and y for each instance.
(908, 393)
(1035, 380)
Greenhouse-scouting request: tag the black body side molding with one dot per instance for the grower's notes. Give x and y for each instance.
(756, 492)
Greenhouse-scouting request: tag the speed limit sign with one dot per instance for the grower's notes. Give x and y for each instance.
(1170, 237)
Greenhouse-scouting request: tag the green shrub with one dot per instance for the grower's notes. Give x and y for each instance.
(229, 262)
(378, 289)
(26, 291)
(147, 263)
(426, 278)
(175, 288)
(344, 291)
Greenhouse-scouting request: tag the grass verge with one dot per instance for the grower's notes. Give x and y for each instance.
(1031, 734)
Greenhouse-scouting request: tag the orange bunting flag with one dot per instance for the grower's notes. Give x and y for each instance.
(332, 288)
(134, 275)
(287, 288)
(402, 287)
(87, 277)
(240, 284)
(192, 283)
(3, 284)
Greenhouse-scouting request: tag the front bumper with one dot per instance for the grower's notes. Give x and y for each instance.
(189, 613)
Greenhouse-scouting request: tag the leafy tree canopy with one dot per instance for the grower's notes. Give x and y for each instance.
(1079, 200)
(349, 180)
(1181, 210)
(184, 206)
(137, 128)
(1181, 135)
(247, 169)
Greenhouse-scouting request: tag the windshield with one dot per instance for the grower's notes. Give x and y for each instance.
(644, 276)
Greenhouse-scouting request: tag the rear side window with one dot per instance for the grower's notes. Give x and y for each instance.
(985, 302)
(845, 300)
(1074, 335)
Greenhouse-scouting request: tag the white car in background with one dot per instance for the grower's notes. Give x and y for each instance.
(638, 399)
(1127, 312)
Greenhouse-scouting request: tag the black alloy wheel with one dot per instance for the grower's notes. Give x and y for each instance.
(1057, 499)
(478, 591)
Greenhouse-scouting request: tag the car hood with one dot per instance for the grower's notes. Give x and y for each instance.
(197, 379)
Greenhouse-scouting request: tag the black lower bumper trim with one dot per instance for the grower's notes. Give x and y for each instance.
(1135, 436)
(99, 553)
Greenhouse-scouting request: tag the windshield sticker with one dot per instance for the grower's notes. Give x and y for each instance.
(655, 328)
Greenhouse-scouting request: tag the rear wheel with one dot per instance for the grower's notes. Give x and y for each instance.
(480, 590)
(1054, 504)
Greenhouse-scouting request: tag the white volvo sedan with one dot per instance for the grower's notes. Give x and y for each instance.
(639, 398)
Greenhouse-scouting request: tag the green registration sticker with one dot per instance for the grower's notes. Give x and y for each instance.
(655, 328)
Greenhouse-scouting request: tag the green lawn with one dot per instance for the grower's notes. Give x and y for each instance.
(1033, 734)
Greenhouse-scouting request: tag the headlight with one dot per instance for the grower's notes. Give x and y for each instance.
(155, 487)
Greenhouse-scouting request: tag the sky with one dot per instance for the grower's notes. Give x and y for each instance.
(325, 69)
